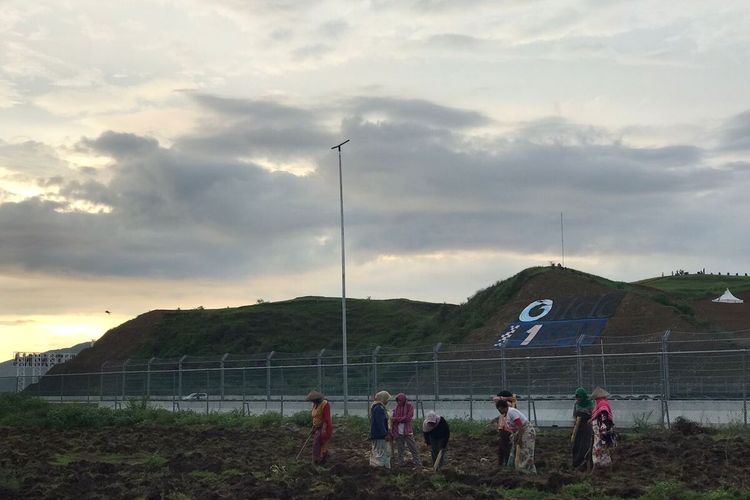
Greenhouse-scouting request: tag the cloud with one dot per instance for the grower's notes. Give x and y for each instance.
(418, 179)
(735, 133)
(31, 158)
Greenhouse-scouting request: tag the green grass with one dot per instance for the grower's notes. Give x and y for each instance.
(699, 286)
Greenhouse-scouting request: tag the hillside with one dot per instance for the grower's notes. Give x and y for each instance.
(311, 323)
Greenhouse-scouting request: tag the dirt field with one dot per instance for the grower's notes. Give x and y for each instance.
(239, 463)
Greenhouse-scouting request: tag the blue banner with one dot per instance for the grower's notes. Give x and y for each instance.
(551, 333)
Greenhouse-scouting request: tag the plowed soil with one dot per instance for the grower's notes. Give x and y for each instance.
(211, 463)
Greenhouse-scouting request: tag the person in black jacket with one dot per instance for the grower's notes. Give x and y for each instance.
(380, 453)
(436, 434)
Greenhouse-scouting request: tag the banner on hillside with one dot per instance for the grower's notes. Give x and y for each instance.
(550, 323)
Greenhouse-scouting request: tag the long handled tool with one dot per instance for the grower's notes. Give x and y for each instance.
(438, 461)
(305, 444)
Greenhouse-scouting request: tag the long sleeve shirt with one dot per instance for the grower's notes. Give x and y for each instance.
(441, 431)
(378, 422)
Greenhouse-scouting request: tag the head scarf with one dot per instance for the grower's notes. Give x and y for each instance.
(602, 405)
(430, 421)
(585, 401)
(401, 398)
(382, 397)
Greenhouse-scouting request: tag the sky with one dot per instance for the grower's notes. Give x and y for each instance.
(176, 153)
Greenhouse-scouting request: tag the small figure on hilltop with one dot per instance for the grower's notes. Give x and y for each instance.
(505, 445)
(436, 433)
(524, 437)
(380, 453)
(402, 430)
(603, 426)
(581, 439)
(322, 426)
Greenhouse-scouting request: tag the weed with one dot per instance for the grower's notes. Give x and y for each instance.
(64, 459)
(578, 490)
(642, 422)
(204, 474)
(155, 461)
(232, 473)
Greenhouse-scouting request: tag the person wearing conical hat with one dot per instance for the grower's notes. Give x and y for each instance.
(322, 426)
(380, 452)
(603, 426)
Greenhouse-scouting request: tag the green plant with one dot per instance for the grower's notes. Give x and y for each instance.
(155, 461)
(579, 490)
(642, 422)
(301, 418)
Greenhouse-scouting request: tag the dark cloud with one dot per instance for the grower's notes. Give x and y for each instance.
(420, 111)
(735, 134)
(121, 145)
(415, 180)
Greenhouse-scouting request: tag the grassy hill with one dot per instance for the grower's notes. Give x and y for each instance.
(308, 324)
(699, 286)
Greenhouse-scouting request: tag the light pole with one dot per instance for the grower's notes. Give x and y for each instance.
(343, 286)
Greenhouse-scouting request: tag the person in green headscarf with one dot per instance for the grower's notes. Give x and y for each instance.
(582, 437)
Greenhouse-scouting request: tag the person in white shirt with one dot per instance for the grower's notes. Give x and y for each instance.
(524, 436)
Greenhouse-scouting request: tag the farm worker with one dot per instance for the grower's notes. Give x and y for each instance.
(582, 436)
(436, 434)
(380, 454)
(322, 426)
(524, 437)
(603, 426)
(505, 446)
(402, 430)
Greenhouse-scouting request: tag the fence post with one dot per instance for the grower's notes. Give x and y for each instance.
(268, 377)
(502, 367)
(223, 359)
(320, 370)
(283, 389)
(665, 376)
(604, 370)
(244, 390)
(744, 385)
(579, 363)
(62, 379)
(208, 392)
(179, 376)
(124, 377)
(435, 377)
(148, 378)
(101, 384)
(528, 384)
(375, 369)
(471, 391)
(416, 381)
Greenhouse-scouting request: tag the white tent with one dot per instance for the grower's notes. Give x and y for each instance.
(728, 298)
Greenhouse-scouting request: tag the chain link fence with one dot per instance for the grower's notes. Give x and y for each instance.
(660, 367)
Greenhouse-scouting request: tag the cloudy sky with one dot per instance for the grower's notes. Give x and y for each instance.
(176, 153)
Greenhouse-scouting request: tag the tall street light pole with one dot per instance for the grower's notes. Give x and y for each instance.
(343, 286)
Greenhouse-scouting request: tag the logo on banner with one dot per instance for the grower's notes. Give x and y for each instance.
(560, 323)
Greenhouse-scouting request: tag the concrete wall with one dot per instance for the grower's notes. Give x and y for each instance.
(546, 413)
